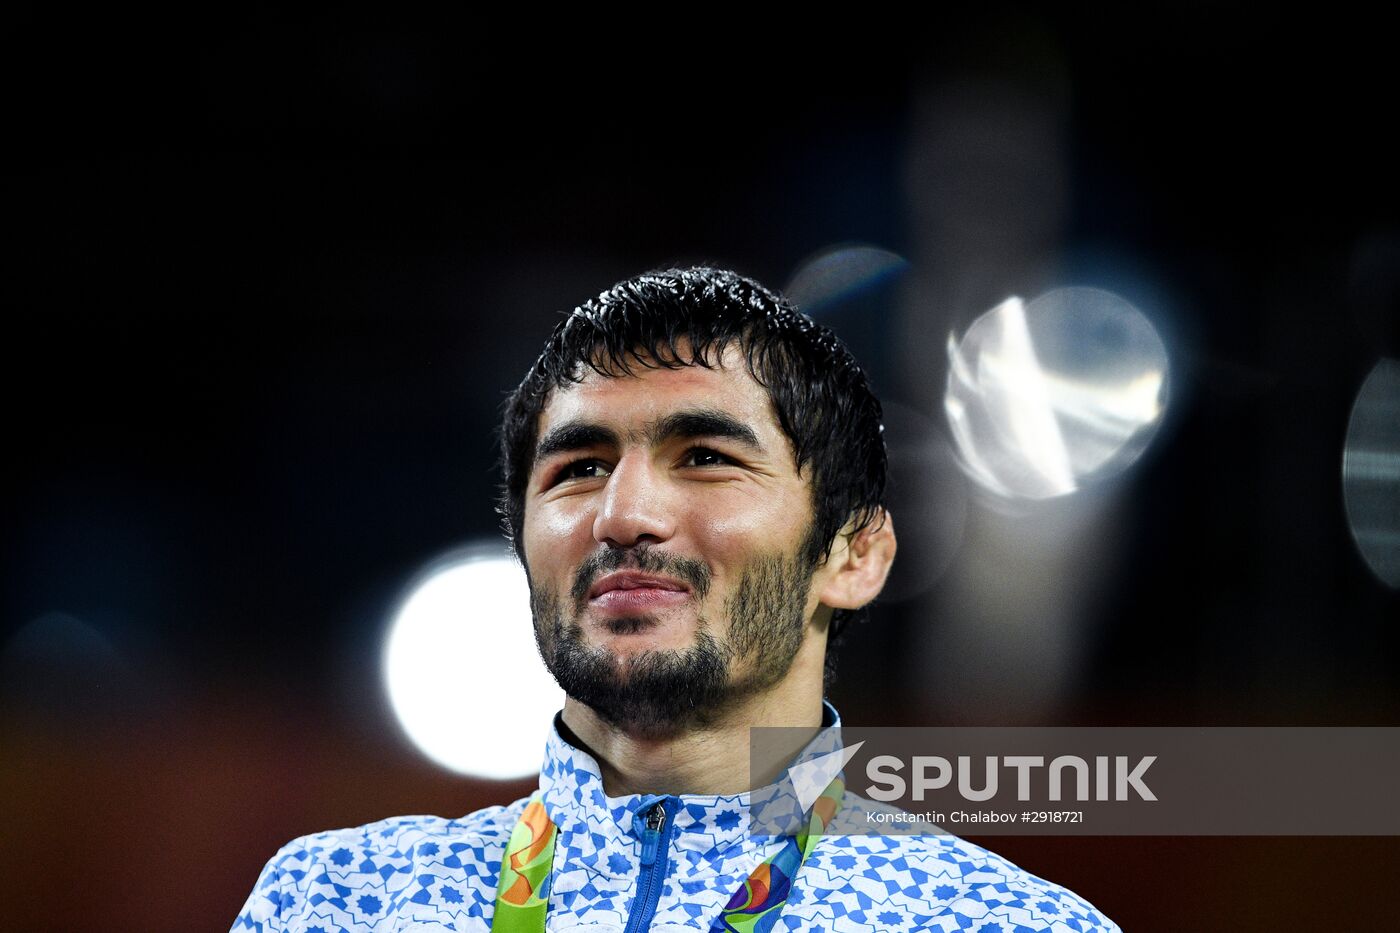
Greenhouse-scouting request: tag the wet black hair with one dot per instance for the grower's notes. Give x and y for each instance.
(688, 317)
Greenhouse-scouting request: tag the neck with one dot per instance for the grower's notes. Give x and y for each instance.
(706, 759)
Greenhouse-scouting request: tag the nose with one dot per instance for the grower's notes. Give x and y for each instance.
(635, 505)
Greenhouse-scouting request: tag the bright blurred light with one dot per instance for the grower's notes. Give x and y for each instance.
(1371, 472)
(836, 274)
(1047, 395)
(462, 671)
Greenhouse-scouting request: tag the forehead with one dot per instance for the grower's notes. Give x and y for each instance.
(649, 394)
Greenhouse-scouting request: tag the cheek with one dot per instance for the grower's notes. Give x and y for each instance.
(552, 530)
(754, 524)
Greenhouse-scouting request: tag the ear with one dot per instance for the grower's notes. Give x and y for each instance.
(855, 572)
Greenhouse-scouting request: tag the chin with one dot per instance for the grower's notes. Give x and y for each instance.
(630, 636)
(622, 626)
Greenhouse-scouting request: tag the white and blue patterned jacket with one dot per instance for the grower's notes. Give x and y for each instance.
(425, 873)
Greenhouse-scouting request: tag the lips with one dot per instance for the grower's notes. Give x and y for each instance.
(630, 581)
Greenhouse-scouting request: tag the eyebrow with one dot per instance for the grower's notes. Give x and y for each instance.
(574, 435)
(703, 422)
(689, 423)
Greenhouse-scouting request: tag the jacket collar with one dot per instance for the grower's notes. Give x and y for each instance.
(571, 786)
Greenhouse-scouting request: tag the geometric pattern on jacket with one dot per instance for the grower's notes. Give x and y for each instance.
(426, 873)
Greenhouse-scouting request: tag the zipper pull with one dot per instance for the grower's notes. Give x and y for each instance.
(651, 838)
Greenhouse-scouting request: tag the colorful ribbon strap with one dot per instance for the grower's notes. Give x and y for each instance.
(522, 896)
(755, 907)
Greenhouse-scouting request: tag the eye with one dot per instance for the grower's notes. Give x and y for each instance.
(582, 469)
(704, 456)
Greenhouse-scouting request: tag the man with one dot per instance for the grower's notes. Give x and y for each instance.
(694, 480)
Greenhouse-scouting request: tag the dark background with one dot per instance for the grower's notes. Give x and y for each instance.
(268, 287)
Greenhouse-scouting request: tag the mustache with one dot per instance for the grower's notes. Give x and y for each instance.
(695, 573)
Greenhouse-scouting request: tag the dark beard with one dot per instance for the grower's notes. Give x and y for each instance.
(660, 693)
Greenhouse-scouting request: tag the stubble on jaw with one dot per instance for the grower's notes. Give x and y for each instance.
(657, 694)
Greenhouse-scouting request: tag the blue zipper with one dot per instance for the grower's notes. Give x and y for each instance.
(656, 856)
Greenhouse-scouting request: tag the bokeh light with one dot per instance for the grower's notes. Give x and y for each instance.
(461, 668)
(63, 666)
(1045, 396)
(839, 273)
(1371, 471)
(927, 498)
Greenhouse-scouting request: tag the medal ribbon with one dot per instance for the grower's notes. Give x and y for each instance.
(522, 894)
(521, 899)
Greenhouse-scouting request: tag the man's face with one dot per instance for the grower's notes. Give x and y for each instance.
(664, 523)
